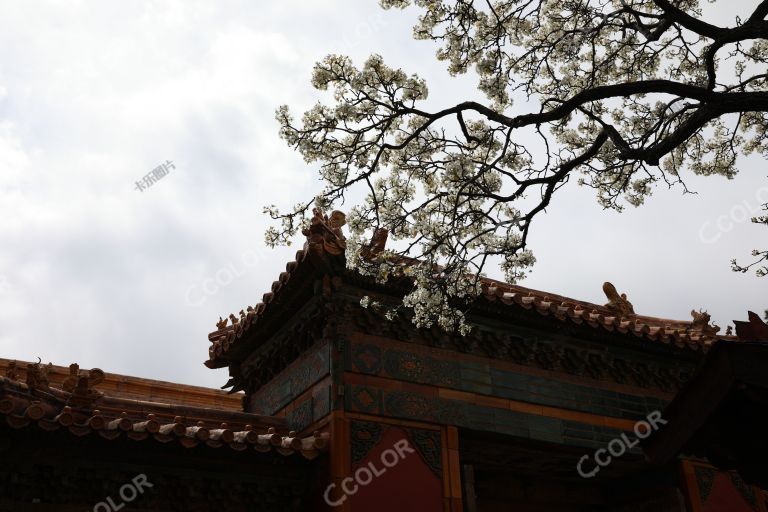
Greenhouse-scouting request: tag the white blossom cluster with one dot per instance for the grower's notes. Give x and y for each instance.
(624, 93)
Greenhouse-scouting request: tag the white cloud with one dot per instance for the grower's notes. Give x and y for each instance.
(95, 95)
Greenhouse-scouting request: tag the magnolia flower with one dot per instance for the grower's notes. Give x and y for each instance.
(617, 95)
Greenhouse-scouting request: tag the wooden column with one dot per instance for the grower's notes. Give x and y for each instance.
(341, 466)
(452, 472)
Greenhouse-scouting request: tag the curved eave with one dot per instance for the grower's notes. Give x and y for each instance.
(112, 418)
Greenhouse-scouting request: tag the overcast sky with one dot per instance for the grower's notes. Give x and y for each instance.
(94, 95)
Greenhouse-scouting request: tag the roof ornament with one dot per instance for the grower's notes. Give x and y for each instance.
(617, 303)
(701, 324)
(325, 232)
(221, 324)
(753, 330)
(12, 371)
(37, 375)
(81, 385)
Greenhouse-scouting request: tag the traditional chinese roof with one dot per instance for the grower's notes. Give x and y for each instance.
(753, 329)
(323, 250)
(720, 414)
(126, 386)
(83, 410)
(696, 334)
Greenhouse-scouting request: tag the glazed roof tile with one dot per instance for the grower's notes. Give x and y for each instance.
(127, 386)
(695, 335)
(22, 405)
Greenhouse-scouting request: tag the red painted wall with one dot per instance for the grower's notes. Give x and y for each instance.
(407, 486)
(724, 497)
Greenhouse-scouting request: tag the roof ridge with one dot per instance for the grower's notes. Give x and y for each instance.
(52, 409)
(325, 240)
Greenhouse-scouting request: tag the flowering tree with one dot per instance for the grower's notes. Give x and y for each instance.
(761, 263)
(619, 93)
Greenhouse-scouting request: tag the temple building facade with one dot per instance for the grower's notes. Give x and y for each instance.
(549, 404)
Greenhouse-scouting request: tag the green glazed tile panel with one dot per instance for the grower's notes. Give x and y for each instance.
(482, 378)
